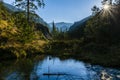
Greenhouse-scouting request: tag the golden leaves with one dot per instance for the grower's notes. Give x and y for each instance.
(3, 24)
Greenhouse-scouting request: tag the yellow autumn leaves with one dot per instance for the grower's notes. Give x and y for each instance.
(6, 29)
(3, 24)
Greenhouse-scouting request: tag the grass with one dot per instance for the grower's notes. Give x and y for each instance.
(18, 50)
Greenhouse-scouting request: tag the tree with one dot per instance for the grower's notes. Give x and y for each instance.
(109, 2)
(117, 2)
(29, 6)
(54, 30)
(95, 10)
(104, 29)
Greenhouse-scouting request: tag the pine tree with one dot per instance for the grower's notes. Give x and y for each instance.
(54, 27)
(54, 30)
(29, 6)
(95, 10)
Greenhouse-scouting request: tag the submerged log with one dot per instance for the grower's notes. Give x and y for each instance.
(53, 74)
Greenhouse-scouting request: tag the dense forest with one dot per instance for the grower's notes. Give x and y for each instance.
(94, 39)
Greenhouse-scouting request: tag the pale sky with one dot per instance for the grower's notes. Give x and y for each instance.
(65, 10)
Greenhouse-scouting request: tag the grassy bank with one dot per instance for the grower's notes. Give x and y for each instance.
(17, 50)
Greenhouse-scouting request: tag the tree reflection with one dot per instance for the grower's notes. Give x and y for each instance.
(24, 67)
(20, 70)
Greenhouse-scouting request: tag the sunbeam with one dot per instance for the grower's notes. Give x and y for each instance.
(106, 7)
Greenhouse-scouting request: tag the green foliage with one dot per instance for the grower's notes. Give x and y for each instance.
(95, 10)
(102, 33)
(58, 35)
(17, 36)
(103, 29)
(29, 6)
(78, 32)
(63, 47)
(25, 33)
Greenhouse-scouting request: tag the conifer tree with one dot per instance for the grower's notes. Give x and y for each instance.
(95, 10)
(29, 6)
(54, 30)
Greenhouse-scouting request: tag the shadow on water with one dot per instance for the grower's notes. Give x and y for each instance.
(53, 68)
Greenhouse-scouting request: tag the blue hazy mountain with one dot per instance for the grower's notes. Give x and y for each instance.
(61, 26)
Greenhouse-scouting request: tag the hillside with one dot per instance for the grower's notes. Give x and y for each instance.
(19, 38)
(78, 24)
(11, 8)
(77, 29)
(41, 24)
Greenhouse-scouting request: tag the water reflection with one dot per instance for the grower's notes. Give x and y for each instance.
(52, 68)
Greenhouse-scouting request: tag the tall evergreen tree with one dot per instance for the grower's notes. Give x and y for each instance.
(29, 6)
(54, 30)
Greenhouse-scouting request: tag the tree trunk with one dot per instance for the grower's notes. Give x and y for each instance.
(28, 9)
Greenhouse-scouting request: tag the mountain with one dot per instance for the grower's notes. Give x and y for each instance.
(14, 9)
(61, 26)
(78, 24)
(40, 23)
(77, 29)
(11, 7)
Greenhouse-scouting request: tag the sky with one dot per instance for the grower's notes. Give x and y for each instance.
(65, 10)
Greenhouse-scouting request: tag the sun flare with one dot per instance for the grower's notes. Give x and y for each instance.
(106, 7)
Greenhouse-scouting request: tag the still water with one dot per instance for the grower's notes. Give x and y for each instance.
(54, 68)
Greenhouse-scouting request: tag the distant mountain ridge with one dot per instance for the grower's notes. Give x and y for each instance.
(11, 7)
(78, 24)
(61, 25)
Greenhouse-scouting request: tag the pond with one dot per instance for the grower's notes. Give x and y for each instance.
(54, 68)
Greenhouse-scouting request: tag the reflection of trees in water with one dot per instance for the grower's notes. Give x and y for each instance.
(20, 69)
(63, 76)
(58, 76)
(24, 67)
(5, 68)
(71, 77)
